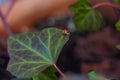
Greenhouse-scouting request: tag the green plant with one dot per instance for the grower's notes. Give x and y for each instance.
(33, 55)
(85, 17)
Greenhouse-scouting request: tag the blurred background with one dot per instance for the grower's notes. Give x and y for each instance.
(3, 2)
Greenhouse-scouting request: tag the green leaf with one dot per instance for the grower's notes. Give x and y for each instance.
(81, 4)
(118, 25)
(85, 18)
(88, 20)
(47, 74)
(31, 53)
(93, 76)
(117, 1)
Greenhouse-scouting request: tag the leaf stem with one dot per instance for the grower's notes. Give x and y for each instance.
(58, 70)
(5, 23)
(10, 8)
(106, 4)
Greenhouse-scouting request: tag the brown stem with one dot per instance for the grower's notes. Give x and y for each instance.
(106, 4)
(10, 8)
(5, 23)
(59, 71)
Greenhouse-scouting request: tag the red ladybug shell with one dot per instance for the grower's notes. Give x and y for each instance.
(65, 32)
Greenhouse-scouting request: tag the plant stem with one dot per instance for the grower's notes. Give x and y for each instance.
(58, 70)
(106, 4)
(10, 8)
(5, 23)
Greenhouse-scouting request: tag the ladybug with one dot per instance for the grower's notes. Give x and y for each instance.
(65, 32)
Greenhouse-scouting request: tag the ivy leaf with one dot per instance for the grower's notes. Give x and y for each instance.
(47, 74)
(117, 1)
(85, 18)
(80, 4)
(93, 76)
(31, 53)
(88, 20)
(118, 25)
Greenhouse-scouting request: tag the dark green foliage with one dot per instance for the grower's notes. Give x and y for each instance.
(47, 74)
(117, 1)
(118, 25)
(92, 74)
(85, 17)
(81, 4)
